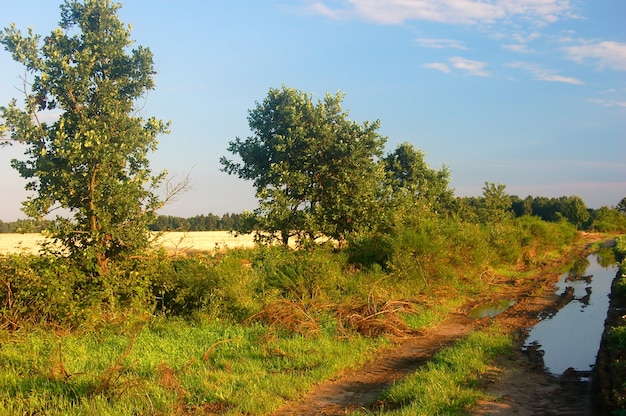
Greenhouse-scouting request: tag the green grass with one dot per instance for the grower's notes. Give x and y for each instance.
(214, 349)
(167, 366)
(450, 383)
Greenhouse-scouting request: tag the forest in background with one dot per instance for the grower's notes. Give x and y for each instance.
(569, 208)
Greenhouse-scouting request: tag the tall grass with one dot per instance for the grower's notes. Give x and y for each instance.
(243, 330)
(167, 367)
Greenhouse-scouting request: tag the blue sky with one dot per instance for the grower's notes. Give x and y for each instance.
(527, 93)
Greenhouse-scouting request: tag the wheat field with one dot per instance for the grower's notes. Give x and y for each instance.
(173, 242)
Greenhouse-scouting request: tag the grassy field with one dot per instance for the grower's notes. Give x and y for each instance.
(175, 242)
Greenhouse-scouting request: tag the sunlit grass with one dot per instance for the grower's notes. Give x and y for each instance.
(450, 383)
(166, 366)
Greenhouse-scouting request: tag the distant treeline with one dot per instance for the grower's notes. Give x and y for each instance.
(569, 208)
(209, 222)
(24, 226)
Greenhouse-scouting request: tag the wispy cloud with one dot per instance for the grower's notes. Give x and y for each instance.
(608, 103)
(438, 66)
(472, 67)
(441, 43)
(443, 11)
(321, 9)
(605, 54)
(518, 47)
(543, 74)
(475, 68)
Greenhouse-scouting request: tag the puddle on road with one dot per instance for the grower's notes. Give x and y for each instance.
(491, 309)
(571, 337)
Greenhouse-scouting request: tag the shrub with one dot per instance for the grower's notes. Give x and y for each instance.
(371, 250)
(316, 274)
(44, 290)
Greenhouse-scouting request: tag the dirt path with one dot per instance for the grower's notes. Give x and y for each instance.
(360, 388)
(519, 381)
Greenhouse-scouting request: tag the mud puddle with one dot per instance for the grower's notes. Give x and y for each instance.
(568, 341)
(491, 309)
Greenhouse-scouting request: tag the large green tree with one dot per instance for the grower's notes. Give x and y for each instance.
(414, 184)
(574, 210)
(92, 161)
(314, 170)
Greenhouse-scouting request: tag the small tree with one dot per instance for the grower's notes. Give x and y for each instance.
(495, 205)
(314, 170)
(91, 162)
(621, 206)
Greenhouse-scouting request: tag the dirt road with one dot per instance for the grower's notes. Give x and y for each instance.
(520, 382)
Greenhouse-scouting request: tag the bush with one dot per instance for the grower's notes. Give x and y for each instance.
(222, 286)
(316, 274)
(44, 289)
(536, 237)
(436, 251)
(372, 250)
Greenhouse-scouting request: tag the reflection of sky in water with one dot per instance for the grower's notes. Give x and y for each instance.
(571, 338)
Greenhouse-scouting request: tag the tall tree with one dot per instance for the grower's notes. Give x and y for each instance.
(314, 170)
(91, 162)
(413, 181)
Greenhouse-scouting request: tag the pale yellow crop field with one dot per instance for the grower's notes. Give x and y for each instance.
(174, 242)
(181, 242)
(20, 243)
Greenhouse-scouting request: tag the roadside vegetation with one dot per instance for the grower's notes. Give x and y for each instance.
(613, 385)
(102, 322)
(241, 331)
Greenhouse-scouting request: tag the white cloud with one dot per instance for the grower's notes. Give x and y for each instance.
(544, 74)
(323, 10)
(525, 38)
(547, 10)
(444, 11)
(441, 43)
(606, 54)
(608, 103)
(438, 66)
(473, 67)
(518, 47)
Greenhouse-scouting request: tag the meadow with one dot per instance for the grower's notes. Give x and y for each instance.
(249, 329)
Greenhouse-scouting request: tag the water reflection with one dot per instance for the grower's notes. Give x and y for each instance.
(571, 337)
(491, 309)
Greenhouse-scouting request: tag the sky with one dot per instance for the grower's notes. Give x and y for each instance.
(526, 93)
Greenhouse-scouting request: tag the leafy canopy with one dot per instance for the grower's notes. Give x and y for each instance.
(314, 170)
(92, 161)
(415, 187)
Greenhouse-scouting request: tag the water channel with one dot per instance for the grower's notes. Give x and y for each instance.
(570, 338)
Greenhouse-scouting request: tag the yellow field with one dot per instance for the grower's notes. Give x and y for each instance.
(176, 242)
(20, 243)
(180, 242)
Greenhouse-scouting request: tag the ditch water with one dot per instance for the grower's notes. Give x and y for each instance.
(491, 309)
(570, 338)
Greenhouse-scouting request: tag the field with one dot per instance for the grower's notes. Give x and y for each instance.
(175, 242)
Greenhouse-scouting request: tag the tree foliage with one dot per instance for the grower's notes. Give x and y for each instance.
(621, 206)
(414, 183)
(314, 170)
(92, 161)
